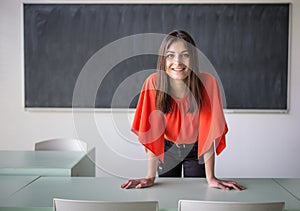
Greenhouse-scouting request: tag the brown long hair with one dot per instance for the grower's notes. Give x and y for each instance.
(163, 100)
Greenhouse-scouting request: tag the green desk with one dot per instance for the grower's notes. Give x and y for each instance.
(291, 185)
(40, 194)
(12, 184)
(47, 163)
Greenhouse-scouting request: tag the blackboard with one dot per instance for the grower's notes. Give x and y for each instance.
(247, 44)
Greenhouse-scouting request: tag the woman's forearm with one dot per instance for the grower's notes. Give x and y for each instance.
(152, 165)
(150, 178)
(209, 159)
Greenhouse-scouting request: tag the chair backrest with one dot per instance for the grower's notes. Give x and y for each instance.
(194, 205)
(82, 205)
(66, 144)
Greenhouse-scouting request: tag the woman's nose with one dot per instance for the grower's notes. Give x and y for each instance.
(177, 59)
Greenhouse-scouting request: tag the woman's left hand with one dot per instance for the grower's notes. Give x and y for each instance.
(225, 185)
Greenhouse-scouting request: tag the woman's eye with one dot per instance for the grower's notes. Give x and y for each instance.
(186, 55)
(170, 56)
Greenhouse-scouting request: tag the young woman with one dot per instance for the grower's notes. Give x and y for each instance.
(179, 117)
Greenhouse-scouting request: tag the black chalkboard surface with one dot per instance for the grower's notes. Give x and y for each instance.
(247, 44)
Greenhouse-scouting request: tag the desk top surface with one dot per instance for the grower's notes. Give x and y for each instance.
(11, 184)
(166, 190)
(32, 162)
(56, 159)
(291, 185)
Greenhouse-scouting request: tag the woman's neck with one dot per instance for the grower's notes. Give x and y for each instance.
(178, 88)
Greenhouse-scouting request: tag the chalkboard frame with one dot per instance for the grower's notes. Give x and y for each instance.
(226, 110)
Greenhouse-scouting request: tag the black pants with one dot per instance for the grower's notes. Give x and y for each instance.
(178, 157)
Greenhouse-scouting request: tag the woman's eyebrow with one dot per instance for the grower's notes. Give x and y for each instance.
(170, 52)
(184, 51)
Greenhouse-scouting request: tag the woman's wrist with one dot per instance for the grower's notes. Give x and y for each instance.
(152, 178)
(210, 179)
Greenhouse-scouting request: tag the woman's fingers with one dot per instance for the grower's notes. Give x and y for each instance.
(232, 185)
(138, 183)
(127, 184)
(226, 185)
(236, 186)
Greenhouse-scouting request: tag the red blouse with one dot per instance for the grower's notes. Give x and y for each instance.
(152, 126)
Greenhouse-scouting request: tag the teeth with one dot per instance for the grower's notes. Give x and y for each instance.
(178, 69)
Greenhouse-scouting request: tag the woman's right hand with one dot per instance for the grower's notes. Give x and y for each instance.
(138, 183)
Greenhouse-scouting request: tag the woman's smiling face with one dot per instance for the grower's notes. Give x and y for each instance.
(177, 61)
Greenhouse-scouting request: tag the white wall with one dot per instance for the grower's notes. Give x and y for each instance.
(259, 145)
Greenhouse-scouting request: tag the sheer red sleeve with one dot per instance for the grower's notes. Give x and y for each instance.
(213, 126)
(148, 123)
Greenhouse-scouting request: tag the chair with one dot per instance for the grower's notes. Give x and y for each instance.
(192, 205)
(66, 144)
(82, 205)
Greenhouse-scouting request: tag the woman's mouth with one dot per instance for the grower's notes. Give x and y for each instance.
(177, 69)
